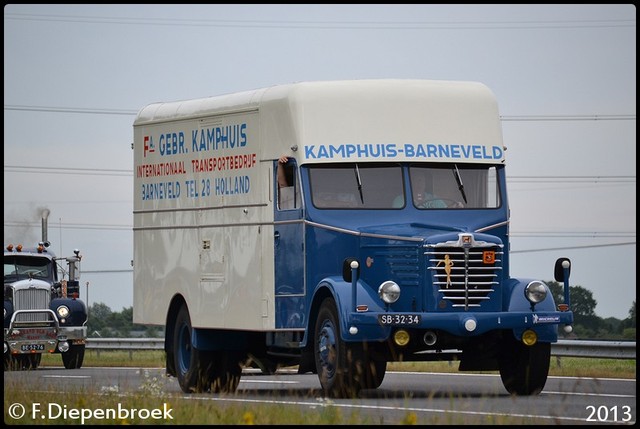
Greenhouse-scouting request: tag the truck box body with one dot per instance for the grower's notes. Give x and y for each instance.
(212, 235)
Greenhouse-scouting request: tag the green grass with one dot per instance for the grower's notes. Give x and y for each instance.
(565, 366)
(80, 407)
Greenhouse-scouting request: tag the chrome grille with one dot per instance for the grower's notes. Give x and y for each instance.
(32, 299)
(465, 272)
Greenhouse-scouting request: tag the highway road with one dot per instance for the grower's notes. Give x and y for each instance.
(479, 399)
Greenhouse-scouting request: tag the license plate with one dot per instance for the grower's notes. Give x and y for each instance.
(399, 319)
(32, 347)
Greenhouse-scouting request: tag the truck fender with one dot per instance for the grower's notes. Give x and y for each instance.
(518, 302)
(341, 292)
(77, 310)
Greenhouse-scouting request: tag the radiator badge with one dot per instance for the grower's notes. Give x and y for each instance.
(447, 263)
(489, 257)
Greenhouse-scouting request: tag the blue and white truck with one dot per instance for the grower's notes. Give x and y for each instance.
(393, 246)
(42, 309)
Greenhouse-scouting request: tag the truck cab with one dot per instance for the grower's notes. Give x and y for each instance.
(42, 309)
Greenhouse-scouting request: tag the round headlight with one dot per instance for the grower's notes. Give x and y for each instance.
(63, 311)
(535, 291)
(389, 292)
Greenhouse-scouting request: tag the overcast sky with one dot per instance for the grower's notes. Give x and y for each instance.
(564, 76)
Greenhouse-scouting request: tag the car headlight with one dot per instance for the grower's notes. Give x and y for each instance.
(389, 292)
(63, 311)
(536, 291)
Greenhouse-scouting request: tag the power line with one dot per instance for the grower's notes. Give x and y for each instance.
(352, 25)
(124, 172)
(504, 118)
(583, 234)
(630, 243)
(68, 170)
(18, 224)
(529, 118)
(91, 110)
(523, 234)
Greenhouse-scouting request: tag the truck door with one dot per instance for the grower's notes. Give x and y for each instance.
(288, 249)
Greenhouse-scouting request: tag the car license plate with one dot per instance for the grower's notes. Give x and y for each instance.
(399, 319)
(32, 347)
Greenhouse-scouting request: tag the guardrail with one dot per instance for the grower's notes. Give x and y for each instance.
(569, 348)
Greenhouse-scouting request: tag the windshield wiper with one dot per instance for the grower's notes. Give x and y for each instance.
(456, 174)
(357, 170)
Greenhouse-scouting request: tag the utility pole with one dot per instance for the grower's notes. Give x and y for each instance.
(87, 284)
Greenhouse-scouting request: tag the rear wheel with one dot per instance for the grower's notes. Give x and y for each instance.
(524, 369)
(192, 366)
(225, 375)
(201, 371)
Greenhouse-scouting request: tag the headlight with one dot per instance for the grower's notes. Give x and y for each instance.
(63, 311)
(535, 291)
(389, 292)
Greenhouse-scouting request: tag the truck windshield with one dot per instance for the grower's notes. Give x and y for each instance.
(356, 186)
(19, 267)
(457, 186)
(382, 186)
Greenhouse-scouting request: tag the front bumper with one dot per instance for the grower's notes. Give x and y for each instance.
(41, 336)
(368, 326)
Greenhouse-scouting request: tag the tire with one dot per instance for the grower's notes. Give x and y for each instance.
(224, 376)
(343, 368)
(524, 369)
(266, 365)
(370, 370)
(34, 360)
(192, 366)
(20, 362)
(73, 358)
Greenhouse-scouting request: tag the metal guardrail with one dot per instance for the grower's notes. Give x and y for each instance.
(595, 349)
(569, 348)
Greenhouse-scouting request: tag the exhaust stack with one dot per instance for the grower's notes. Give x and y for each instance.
(45, 226)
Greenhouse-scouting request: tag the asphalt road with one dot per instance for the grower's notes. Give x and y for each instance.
(477, 398)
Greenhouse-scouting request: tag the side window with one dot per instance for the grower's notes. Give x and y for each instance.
(288, 189)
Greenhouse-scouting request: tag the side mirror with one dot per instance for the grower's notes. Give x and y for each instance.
(346, 270)
(558, 270)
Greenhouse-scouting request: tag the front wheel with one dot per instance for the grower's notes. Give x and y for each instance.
(34, 360)
(524, 369)
(73, 358)
(343, 368)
